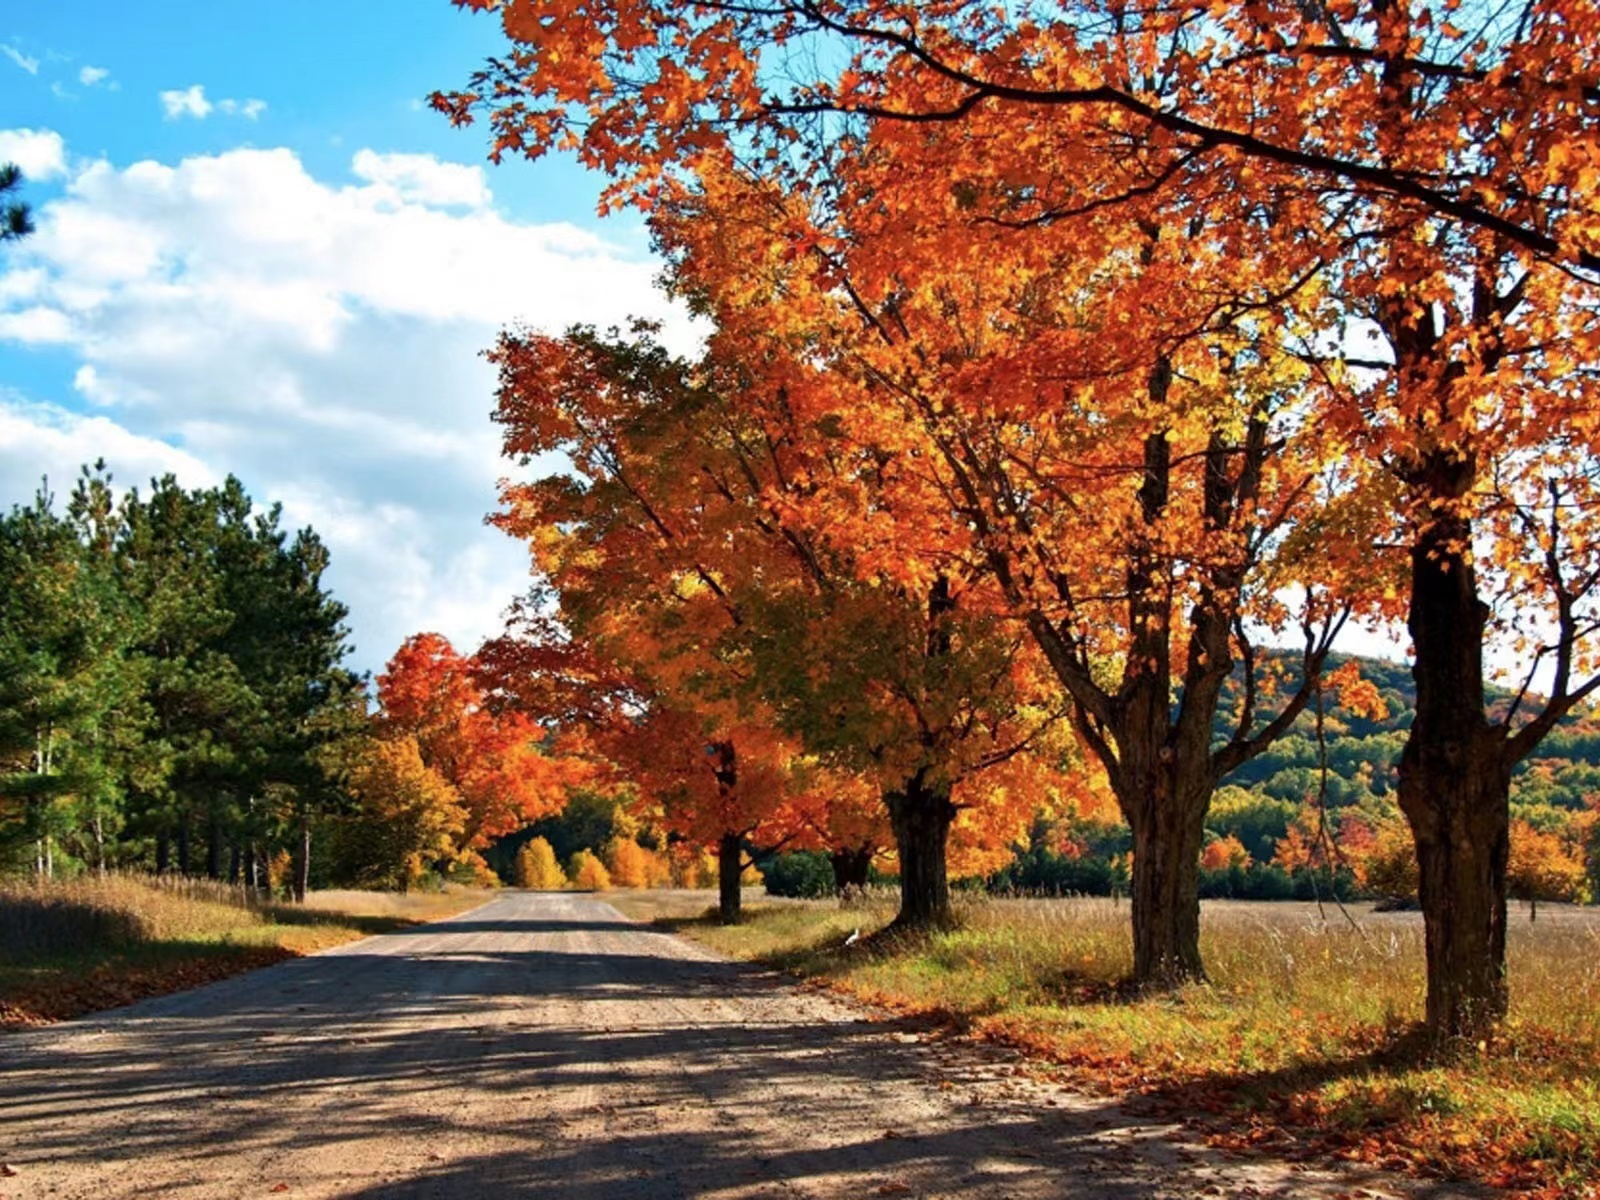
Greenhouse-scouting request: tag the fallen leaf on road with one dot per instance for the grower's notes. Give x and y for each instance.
(896, 1188)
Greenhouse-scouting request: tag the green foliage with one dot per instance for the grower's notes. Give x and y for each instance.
(169, 678)
(807, 874)
(1364, 752)
(1259, 820)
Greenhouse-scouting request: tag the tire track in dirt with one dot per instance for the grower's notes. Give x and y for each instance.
(543, 1045)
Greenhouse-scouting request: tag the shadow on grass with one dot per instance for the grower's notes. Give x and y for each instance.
(43, 991)
(289, 914)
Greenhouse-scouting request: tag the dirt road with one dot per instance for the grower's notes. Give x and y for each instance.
(544, 1046)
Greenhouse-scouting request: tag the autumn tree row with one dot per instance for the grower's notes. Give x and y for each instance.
(1144, 332)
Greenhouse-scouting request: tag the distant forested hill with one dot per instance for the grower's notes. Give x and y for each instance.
(1259, 800)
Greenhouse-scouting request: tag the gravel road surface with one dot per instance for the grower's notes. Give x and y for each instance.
(542, 1045)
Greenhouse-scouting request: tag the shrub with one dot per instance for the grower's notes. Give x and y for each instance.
(692, 867)
(632, 866)
(1390, 866)
(1258, 881)
(1042, 871)
(537, 868)
(803, 873)
(588, 873)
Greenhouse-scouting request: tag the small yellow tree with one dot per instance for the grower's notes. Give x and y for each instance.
(631, 865)
(537, 867)
(1544, 867)
(588, 873)
(411, 814)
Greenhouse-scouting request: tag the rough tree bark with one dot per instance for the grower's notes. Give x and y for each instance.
(851, 867)
(1167, 837)
(1455, 779)
(920, 814)
(730, 865)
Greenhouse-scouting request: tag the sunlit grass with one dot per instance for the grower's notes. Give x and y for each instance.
(1304, 1020)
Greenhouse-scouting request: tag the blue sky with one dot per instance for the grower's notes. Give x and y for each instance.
(259, 253)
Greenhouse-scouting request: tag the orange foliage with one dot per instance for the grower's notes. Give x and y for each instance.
(630, 865)
(1223, 853)
(1545, 865)
(497, 762)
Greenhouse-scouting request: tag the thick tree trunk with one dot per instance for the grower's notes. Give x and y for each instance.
(730, 865)
(1455, 787)
(183, 849)
(235, 862)
(1167, 837)
(302, 864)
(163, 853)
(851, 867)
(920, 815)
(1461, 822)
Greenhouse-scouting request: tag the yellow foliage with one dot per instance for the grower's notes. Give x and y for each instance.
(1543, 866)
(588, 873)
(537, 868)
(632, 866)
(279, 868)
(414, 815)
(471, 870)
(692, 868)
(1390, 867)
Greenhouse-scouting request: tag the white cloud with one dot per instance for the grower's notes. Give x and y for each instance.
(191, 102)
(423, 179)
(30, 65)
(248, 109)
(39, 152)
(94, 76)
(320, 340)
(39, 441)
(37, 326)
(186, 102)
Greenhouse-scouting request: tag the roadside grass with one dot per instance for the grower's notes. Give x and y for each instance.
(82, 945)
(1304, 1039)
